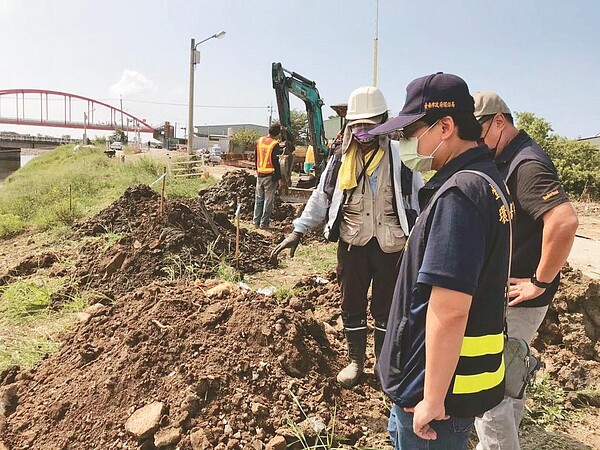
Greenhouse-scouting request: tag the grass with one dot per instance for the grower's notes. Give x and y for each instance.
(180, 267)
(24, 302)
(61, 186)
(546, 403)
(316, 258)
(323, 439)
(28, 324)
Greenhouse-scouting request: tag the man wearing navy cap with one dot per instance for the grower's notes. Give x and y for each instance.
(441, 361)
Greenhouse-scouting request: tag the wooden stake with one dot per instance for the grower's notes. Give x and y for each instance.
(237, 231)
(162, 192)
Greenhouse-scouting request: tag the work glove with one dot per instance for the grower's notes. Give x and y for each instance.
(291, 241)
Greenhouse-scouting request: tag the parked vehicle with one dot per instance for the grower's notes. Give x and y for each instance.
(116, 146)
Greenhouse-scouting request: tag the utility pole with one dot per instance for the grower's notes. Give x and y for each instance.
(375, 42)
(85, 117)
(271, 113)
(190, 126)
(121, 111)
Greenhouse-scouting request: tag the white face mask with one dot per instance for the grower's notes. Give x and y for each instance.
(409, 153)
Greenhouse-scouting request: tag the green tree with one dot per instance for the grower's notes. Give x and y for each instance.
(245, 138)
(299, 120)
(118, 136)
(577, 163)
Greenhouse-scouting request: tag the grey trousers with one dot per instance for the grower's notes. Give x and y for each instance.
(264, 200)
(498, 428)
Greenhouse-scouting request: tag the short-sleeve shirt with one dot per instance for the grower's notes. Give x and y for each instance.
(535, 190)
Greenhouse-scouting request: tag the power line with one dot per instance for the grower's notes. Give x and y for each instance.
(52, 99)
(195, 106)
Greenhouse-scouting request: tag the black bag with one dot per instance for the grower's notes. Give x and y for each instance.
(520, 367)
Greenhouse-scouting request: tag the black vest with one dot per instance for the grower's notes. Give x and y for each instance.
(402, 363)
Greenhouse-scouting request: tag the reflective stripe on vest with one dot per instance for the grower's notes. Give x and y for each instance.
(264, 149)
(470, 384)
(475, 347)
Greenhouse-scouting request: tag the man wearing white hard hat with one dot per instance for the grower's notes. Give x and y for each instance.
(368, 200)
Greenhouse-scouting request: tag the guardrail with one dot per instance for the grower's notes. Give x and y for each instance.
(186, 165)
(25, 138)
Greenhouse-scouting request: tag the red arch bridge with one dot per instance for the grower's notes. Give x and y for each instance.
(39, 107)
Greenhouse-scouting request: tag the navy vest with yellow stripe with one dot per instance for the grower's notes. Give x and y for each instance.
(478, 382)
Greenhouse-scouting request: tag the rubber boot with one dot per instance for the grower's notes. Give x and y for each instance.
(355, 329)
(378, 337)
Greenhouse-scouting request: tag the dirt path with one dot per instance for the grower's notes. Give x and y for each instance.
(585, 254)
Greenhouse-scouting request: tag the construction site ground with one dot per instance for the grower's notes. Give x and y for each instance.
(185, 345)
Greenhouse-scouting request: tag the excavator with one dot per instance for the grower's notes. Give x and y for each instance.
(284, 83)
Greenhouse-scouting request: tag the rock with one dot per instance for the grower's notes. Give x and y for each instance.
(328, 328)
(200, 441)
(169, 436)
(277, 443)
(583, 399)
(59, 410)
(255, 444)
(219, 291)
(9, 375)
(295, 303)
(83, 317)
(142, 423)
(115, 263)
(96, 309)
(312, 427)
(258, 409)
(8, 399)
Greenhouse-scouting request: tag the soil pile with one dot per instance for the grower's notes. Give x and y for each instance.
(222, 197)
(182, 243)
(173, 365)
(569, 336)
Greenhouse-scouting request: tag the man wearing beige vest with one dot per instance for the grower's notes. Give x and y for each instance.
(368, 200)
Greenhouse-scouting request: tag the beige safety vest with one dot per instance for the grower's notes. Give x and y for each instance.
(371, 214)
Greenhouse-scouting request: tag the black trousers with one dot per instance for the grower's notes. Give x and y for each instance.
(360, 266)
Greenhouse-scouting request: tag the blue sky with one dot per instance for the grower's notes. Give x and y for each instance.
(541, 56)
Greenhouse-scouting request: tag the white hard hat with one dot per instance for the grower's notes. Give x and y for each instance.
(366, 102)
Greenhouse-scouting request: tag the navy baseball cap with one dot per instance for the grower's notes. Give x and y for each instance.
(439, 93)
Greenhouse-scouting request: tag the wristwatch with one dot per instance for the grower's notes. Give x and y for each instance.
(539, 284)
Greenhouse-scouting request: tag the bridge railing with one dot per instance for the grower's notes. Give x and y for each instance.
(25, 138)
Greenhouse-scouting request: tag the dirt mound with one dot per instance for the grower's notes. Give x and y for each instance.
(182, 243)
(219, 371)
(222, 197)
(569, 336)
(28, 266)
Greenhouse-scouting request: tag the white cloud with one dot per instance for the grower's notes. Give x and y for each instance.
(131, 83)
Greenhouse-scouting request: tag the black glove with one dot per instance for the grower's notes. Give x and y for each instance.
(291, 241)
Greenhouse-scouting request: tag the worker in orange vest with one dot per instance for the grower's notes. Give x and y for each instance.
(268, 176)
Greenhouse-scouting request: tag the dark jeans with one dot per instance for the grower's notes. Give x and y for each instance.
(452, 434)
(356, 269)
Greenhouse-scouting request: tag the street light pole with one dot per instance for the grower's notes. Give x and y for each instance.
(195, 59)
(375, 42)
